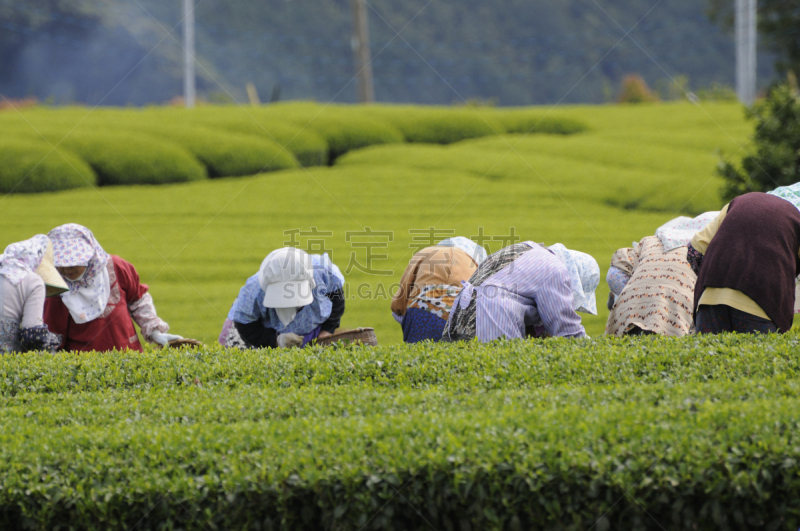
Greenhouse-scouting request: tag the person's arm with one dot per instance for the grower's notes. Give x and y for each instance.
(702, 239)
(337, 310)
(554, 302)
(144, 314)
(256, 335)
(695, 259)
(623, 263)
(34, 333)
(57, 318)
(617, 279)
(140, 302)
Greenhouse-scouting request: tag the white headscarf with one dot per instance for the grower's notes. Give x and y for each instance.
(584, 277)
(475, 251)
(680, 231)
(287, 278)
(75, 245)
(21, 258)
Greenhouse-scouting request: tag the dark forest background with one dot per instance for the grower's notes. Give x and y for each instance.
(510, 52)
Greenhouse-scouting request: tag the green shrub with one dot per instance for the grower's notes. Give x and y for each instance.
(773, 155)
(697, 456)
(225, 154)
(132, 158)
(523, 121)
(309, 148)
(440, 126)
(28, 166)
(458, 367)
(345, 133)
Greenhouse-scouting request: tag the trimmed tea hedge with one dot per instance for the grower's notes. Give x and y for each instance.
(309, 148)
(346, 133)
(643, 433)
(706, 456)
(456, 367)
(524, 121)
(225, 154)
(28, 166)
(165, 145)
(440, 126)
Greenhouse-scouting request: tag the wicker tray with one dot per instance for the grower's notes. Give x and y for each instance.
(365, 336)
(178, 343)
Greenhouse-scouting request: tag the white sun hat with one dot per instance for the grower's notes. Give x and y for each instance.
(287, 278)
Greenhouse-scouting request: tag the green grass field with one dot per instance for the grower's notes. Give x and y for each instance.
(196, 243)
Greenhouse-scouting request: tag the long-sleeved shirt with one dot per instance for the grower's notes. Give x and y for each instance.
(325, 311)
(755, 249)
(24, 302)
(533, 291)
(127, 302)
(715, 296)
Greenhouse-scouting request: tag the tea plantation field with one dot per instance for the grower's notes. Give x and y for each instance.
(602, 433)
(621, 173)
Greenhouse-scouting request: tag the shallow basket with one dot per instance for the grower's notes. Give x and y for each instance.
(365, 336)
(184, 342)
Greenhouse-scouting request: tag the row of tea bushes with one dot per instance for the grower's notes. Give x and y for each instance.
(719, 455)
(457, 367)
(167, 145)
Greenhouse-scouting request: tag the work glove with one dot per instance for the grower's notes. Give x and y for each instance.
(398, 318)
(162, 338)
(289, 340)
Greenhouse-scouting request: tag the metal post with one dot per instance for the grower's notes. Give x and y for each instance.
(360, 44)
(188, 54)
(746, 35)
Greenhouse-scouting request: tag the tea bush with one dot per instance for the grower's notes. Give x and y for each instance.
(133, 158)
(28, 166)
(634, 433)
(224, 154)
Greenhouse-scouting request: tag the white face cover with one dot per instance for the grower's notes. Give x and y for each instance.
(286, 315)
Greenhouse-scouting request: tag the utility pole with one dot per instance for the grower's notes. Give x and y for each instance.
(746, 34)
(188, 54)
(360, 44)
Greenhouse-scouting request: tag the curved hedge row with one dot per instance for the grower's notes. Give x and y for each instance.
(28, 166)
(133, 158)
(168, 145)
(226, 154)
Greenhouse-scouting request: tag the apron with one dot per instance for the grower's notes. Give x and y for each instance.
(9, 328)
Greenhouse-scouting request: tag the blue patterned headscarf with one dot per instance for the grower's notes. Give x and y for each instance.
(475, 251)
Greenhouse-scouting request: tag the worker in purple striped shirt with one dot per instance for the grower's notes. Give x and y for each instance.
(526, 290)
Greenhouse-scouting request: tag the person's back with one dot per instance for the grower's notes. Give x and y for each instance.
(22, 306)
(751, 256)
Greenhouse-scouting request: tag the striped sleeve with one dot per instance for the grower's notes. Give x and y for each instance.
(554, 302)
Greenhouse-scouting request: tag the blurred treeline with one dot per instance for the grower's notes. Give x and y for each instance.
(511, 52)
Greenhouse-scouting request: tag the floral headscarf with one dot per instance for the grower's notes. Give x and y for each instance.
(791, 193)
(21, 258)
(584, 277)
(680, 231)
(75, 245)
(475, 251)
